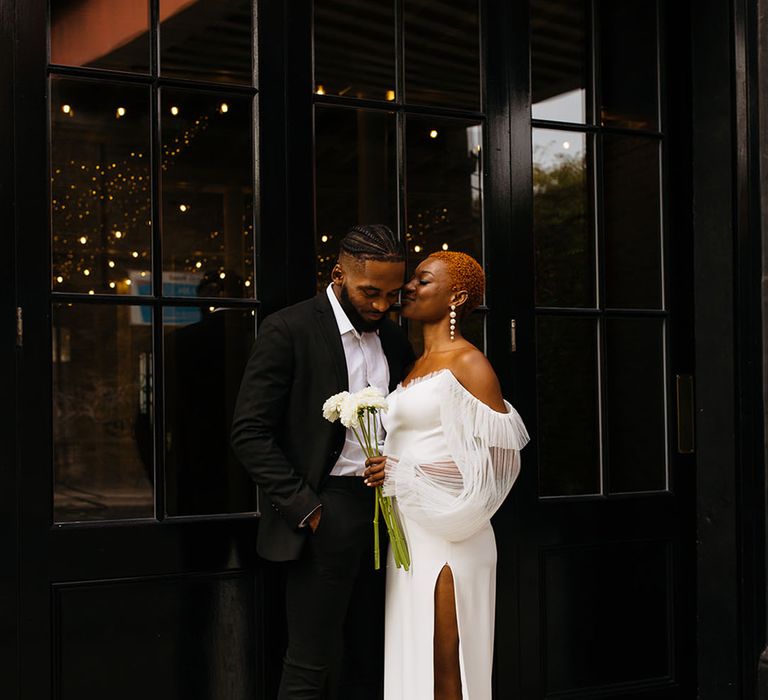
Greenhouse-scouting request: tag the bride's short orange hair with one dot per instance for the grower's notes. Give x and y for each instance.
(467, 274)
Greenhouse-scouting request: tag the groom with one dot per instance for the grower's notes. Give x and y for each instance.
(319, 510)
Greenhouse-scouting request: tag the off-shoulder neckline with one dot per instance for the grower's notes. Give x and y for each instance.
(443, 370)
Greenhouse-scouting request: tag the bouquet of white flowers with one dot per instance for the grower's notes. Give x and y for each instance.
(359, 412)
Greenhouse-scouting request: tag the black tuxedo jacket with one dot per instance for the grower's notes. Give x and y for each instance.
(278, 431)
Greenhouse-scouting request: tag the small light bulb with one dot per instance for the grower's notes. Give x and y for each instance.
(390, 95)
(67, 109)
(566, 145)
(445, 246)
(83, 240)
(324, 238)
(222, 275)
(433, 134)
(320, 90)
(417, 249)
(223, 108)
(111, 263)
(135, 253)
(86, 272)
(118, 234)
(183, 207)
(174, 110)
(90, 291)
(111, 285)
(121, 111)
(59, 279)
(247, 283)
(198, 264)
(128, 282)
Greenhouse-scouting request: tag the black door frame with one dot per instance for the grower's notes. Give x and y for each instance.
(8, 428)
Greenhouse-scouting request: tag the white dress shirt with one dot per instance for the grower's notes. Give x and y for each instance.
(366, 366)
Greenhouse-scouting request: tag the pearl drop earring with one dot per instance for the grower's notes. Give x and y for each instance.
(453, 322)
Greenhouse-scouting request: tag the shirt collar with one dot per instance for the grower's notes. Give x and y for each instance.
(342, 320)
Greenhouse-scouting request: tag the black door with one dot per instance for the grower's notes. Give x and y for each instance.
(597, 544)
(136, 203)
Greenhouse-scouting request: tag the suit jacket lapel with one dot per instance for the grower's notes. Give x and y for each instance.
(329, 330)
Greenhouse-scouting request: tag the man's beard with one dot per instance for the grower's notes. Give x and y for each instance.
(361, 324)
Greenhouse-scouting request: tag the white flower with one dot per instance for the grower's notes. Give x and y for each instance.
(332, 406)
(349, 410)
(371, 397)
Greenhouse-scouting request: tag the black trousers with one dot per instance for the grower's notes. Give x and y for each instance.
(335, 603)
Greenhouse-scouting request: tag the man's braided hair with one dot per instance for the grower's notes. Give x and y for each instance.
(372, 242)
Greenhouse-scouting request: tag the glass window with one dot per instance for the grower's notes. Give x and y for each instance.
(207, 40)
(111, 34)
(355, 48)
(563, 221)
(207, 194)
(632, 222)
(355, 177)
(636, 399)
(568, 406)
(629, 64)
(442, 52)
(100, 186)
(103, 444)
(205, 353)
(444, 187)
(559, 60)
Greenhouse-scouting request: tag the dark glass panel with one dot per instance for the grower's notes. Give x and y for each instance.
(608, 618)
(100, 186)
(442, 52)
(636, 411)
(563, 223)
(207, 40)
(568, 406)
(444, 187)
(559, 60)
(355, 177)
(207, 195)
(632, 222)
(112, 34)
(102, 412)
(355, 48)
(629, 64)
(204, 357)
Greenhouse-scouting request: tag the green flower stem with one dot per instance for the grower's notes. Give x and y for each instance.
(376, 549)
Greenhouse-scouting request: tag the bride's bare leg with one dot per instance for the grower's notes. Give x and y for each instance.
(446, 644)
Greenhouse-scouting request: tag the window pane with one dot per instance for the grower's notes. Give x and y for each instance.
(442, 53)
(100, 186)
(632, 222)
(102, 412)
(355, 48)
(559, 63)
(629, 64)
(355, 177)
(563, 222)
(207, 194)
(636, 412)
(207, 40)
(204, 357)
(568, 406)
(111, 34)
(444, 187)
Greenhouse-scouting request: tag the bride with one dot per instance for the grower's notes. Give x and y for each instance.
(452, 455)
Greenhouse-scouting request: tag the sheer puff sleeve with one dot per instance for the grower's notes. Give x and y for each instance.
(456, 498)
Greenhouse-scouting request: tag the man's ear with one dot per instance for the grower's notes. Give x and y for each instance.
(337, 274)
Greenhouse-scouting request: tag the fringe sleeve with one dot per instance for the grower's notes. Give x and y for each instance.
(456, 499)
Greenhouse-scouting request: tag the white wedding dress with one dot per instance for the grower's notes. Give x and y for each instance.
(452, 463)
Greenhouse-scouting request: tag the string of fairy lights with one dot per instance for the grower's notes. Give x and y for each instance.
(101, 213)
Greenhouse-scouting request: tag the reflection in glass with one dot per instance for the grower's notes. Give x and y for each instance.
(444, 200)
(100, 186)
(355, 177)
(205, 351)
(568, 406)
(559, 63)
(355, 48)
(629, 64)
(442, 53)
(632, 222)
(207, 192)
(102, 412)
(636, 415)
(562, 220)
(207, 40)
(111, 34)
